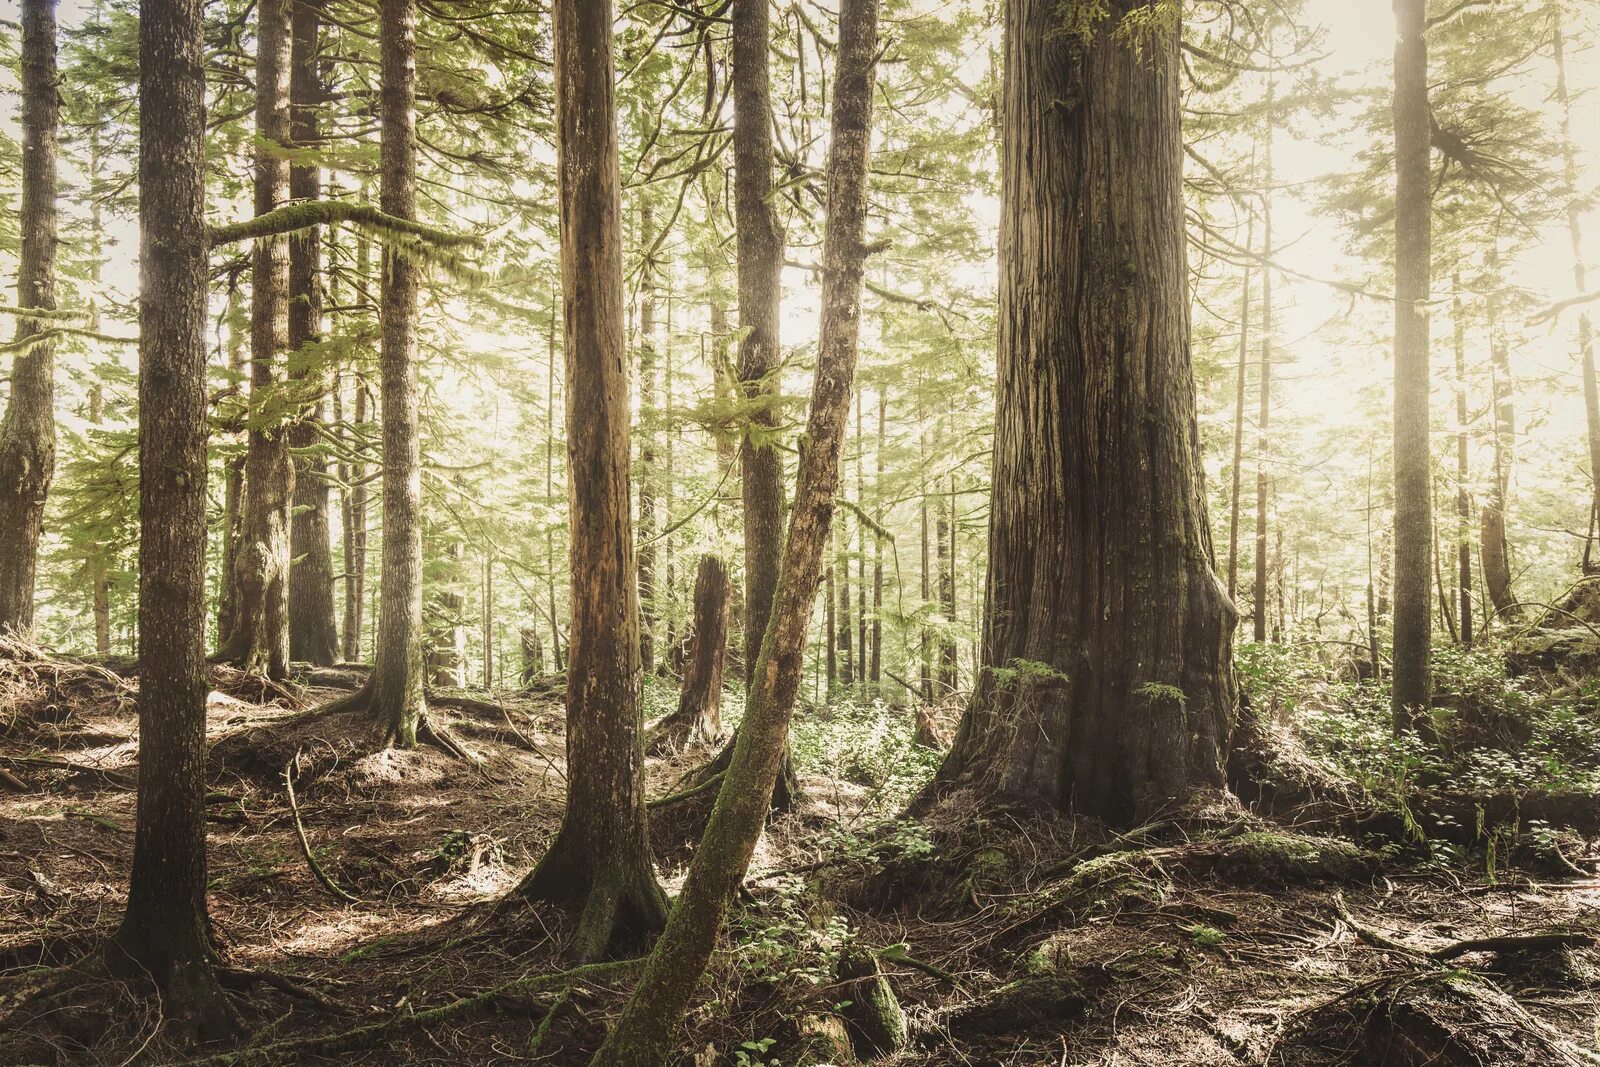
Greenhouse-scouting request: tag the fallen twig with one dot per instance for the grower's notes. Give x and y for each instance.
(322, 876)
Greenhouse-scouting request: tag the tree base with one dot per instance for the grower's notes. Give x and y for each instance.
(619, 904)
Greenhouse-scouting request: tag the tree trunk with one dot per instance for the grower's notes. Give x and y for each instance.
(1591, 393)
(355, 536)
(760, 266)
(488, 620)
(847, 662)
(445, 643)
(100, 561)
(645, 1031)
(862, 533)
(600, 859)
(550, 485)
(233, 489)
(260, 638)
(875, 673)
(1107, 685)
(943, 534)
(1463, 492)
(1264, 407)
(395, 686)
(1413, 474)
(28, 430)
(164, 934)
(648, 519)
(925, 636)
(1238, 416)
(1492, 522)
(313, 627)
(698, 719)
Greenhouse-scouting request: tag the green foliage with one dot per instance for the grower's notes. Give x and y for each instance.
(869, 742)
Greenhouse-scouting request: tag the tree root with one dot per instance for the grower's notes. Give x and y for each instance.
(364, 1038)
(323, 878)
(1538, 941)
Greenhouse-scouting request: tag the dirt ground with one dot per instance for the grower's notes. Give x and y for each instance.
(1006, 943)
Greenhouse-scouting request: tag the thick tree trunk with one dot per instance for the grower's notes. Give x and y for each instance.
(1463, 492)
(165, 933)
(600, 860)
(313, 627)
(760, 265)
(645, 1032)
(1591, 391)
(698, 719)
(1493, 546)
(395, 687)
(1413, 469)
(1106, 683)
(28, 430)
(260, 636)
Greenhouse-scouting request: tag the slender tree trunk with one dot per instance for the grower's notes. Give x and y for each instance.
(355, 543)
(876, 673)
(698, 719)
(313, 627)
(646, 1030)
(233, 489)
(1463, 493)
(600, 859)
(165, 933)
(260, 636)
(925, 636)
(1413, 474)
(28, 430)
(445, 643)
(847, 660)
(488, 620)
(648, 519)
(1591, 393)
(1492, 522)
(395, 686)
(99, 564)
(1238, 416)
(760, 266)
(830, 623)
(1264, 384)
(943, 528)
(1107, 684)
(862, 533)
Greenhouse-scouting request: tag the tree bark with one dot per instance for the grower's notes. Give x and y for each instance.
(165, 932)
(649, 521)
(760, 242)
(313, 627)
(233, 488)
(1238, 416)
(355, 537)
(645, 1031)
(260, 638)
(875, 671)
(28, 430)
(1412, 690)
(1264, 406)
(1106, 684)
(698, 718)
(600, 860)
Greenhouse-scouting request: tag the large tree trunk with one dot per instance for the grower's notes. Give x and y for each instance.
(1106, 683)
(1493, 546)
(698, 718)
(760, 244)
(1591, 391)
(1413, 474)
(395, 687)
(28, 431)
(260, 638)
(164, 935)
(313, 628)
(646, 1030)
(600, 860)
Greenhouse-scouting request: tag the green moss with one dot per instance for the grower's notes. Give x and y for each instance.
(1282, 858)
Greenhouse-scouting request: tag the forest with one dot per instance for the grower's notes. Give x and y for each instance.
(800, 533)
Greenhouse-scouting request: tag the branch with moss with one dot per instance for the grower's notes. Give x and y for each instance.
(291, 218)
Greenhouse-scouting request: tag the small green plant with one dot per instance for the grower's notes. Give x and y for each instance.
(754, 1053)
(1205, 936)
(1163, 691)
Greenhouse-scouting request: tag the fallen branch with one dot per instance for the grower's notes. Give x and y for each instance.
(322, 876)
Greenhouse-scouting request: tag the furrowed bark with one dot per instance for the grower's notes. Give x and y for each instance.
(165, 931)
(313, 628)
(645, 1031)
(28, 430)
(1413, 474)
(1106, 684)
(600, 861)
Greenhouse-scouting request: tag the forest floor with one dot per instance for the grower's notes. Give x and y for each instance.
(1208, 938)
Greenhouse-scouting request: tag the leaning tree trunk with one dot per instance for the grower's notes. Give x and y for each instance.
(28, 431)
(165, 933)
(600, 860)
(698, 719)
(313, 629)
(260, 636)
(1413, 473)
(645, 1031)
(1106, 685)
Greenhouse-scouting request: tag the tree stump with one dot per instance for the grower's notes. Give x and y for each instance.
(698, 719)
